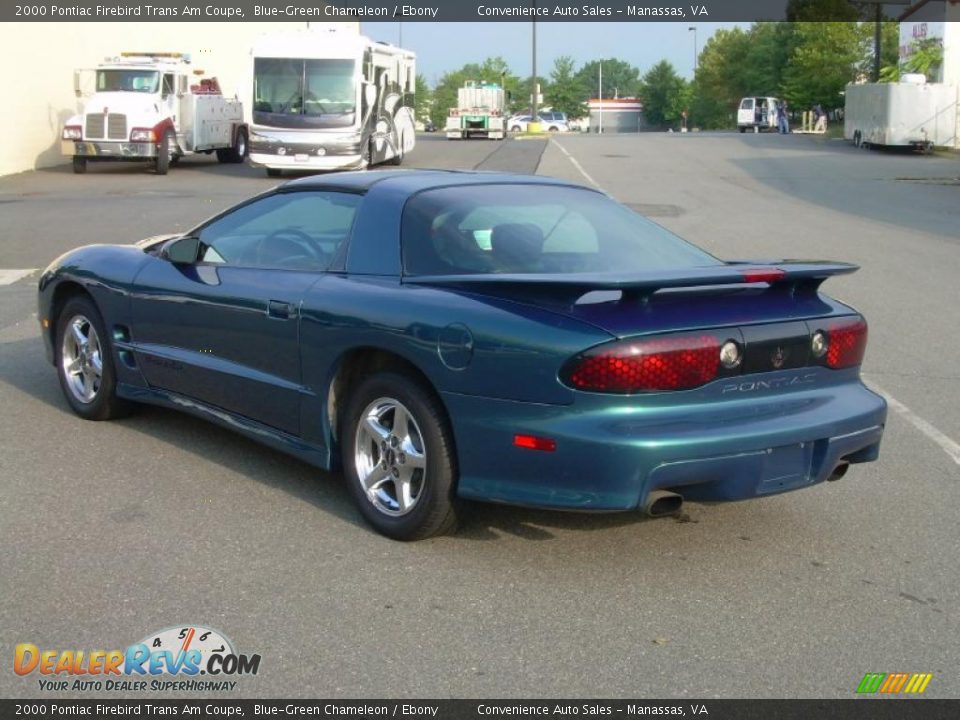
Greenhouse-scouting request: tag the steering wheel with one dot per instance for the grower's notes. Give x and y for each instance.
(288, 245)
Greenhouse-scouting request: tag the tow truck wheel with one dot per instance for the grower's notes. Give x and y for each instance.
(162, 162)
(79, 164)
(237, 153)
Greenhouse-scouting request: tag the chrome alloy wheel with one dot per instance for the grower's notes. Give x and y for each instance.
(81, 359)
(390, 457)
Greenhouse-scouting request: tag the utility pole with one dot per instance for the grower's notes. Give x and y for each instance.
(535, 114)
(600, 131)
(696, 55)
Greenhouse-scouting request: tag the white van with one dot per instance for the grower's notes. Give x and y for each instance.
(759, 113)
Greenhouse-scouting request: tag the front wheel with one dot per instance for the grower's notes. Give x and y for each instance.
(165, 151)
(398, 457)
(84, 357)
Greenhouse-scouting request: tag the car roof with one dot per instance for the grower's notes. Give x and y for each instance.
(413, 181)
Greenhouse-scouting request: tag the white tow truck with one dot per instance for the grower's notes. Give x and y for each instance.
(479, 112)
(154, 107)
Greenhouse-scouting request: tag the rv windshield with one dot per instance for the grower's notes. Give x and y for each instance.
(145, 81)
(293, 93)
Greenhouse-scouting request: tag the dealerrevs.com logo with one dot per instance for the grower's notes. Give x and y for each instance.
(191, 658)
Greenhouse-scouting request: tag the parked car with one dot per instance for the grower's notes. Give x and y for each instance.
(548, 121)
(442, 336)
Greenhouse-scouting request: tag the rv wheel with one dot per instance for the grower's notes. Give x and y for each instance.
(79, 164)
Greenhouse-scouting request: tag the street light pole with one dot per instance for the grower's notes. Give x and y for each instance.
(600, 131)
(696, 55)
(533, 81)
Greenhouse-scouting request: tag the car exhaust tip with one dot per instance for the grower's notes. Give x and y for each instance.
(839, 471)
(661, 503)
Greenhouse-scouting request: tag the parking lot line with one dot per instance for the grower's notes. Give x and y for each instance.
(949, 446)
(8, 277)
(577, 165)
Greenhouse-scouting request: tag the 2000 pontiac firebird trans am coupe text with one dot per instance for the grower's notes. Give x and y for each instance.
(446, 335)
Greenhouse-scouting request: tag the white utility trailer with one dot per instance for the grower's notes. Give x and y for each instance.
(912, 113)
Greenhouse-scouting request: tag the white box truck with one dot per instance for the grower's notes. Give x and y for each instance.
(479, 112)
(910, 113)
(151, 107)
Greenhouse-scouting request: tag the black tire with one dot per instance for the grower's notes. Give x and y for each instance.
(398, 158)
(434, 510)
(742, 129)
(162, 163)
(104, 405)
(273, 172)
(515, 128)
(79, 165)
(237, 153)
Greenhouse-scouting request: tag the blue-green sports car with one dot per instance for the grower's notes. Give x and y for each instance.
(446, 335)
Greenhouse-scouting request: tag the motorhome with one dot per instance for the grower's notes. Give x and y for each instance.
(328, 100)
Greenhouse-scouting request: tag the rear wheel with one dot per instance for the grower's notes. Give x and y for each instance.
(84, 358)
(237, 153)
(398, 457)
(273, 172)
(79, 165)
(398, 158)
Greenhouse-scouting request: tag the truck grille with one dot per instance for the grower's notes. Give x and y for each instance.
(114, 128)
(94, 127)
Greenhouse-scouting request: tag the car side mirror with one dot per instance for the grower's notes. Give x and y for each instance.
(181, 251)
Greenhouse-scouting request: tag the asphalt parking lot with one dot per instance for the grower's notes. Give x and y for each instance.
(114, 530)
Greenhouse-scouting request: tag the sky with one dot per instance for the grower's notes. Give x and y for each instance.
(441, 47)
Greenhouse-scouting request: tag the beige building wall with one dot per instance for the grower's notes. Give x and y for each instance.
(39, 60)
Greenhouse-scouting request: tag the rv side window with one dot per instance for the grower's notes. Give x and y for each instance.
(746, 104)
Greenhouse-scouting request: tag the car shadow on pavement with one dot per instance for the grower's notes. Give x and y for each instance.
(24, 369)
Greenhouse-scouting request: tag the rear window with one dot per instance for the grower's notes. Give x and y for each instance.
(540, 229)
(746, 104)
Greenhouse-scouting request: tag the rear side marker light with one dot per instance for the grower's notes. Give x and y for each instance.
(672, 362)
(532, 442)
(846, 342)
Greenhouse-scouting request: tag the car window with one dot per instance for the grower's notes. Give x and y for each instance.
(746, 104)
(508, 228)
(293, 231)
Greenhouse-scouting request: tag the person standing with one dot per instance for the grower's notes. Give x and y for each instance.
(821, 118)
(783, 124)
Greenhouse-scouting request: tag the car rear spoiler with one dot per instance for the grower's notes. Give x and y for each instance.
(792, 275)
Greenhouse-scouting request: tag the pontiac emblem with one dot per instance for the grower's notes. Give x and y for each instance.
(778, 358)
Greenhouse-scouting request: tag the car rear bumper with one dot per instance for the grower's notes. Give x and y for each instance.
(611, 452)
(100, 149)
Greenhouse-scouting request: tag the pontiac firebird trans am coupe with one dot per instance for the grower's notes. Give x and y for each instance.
(445, 335)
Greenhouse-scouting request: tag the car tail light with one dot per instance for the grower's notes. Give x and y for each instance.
(846, 342)
(671, 362)
(767, 275)
(72, 132)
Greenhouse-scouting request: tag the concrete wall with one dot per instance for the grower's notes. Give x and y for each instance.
(39, 60)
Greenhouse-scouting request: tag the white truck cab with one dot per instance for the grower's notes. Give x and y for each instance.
(757, 113)
(153, 107)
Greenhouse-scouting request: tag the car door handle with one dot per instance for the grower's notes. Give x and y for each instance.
(280, 310)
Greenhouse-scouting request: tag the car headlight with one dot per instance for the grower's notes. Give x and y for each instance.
(72, 132)
(142, 135)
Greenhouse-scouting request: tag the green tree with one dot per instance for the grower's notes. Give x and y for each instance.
(825, 58)
(566, 93)
(926, 58)
(423, 101)
(663, 92)
(620, 78)
(822, 10)
(722, 78)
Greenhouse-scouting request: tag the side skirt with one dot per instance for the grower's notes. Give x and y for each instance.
(315, 455)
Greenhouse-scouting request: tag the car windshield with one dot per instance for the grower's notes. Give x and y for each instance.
(145, 81)
(299, 93)
(540, 229)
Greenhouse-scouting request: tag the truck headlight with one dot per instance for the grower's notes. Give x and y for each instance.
(72, 132)
(142, 135)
